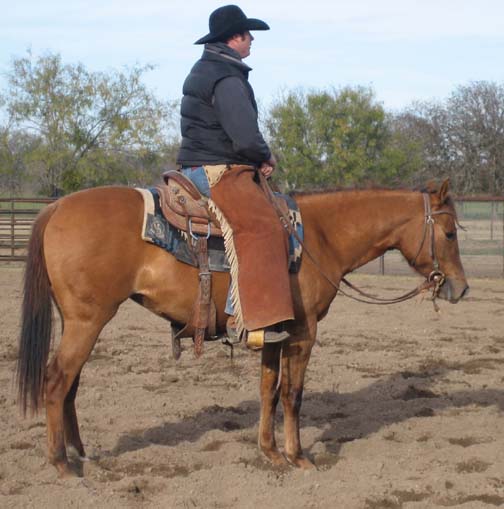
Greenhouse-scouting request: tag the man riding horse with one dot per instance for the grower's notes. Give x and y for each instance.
(221, 152)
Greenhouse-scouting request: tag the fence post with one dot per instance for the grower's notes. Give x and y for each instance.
(13, 230)
(382, 264)
(492, 218)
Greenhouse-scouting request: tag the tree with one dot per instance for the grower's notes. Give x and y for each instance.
(418, 135)
(476, 132)
(87, 122)
(333, 138)
(461, 137)
(15, 148)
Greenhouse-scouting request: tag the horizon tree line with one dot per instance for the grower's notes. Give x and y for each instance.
(66, 128)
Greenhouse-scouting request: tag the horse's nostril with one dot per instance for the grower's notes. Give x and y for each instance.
(465, 292)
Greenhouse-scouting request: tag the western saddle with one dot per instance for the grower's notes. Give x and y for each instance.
(186, 209)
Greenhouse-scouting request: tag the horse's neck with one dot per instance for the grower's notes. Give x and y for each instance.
(352, 228)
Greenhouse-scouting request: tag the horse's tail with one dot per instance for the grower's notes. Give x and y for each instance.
(36, 321)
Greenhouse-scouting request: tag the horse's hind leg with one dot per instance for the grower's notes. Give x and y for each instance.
(270, 367)
(76, 344)
(72, 436)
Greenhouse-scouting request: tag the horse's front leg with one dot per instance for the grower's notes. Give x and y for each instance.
(295, 356)
(270, 367)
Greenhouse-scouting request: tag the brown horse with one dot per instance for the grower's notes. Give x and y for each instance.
(87, 255)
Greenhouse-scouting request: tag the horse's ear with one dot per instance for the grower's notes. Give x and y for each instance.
(443, 191)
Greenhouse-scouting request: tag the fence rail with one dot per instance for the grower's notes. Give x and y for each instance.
(481, 244)
(16, 220)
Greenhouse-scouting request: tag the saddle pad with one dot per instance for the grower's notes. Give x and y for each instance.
(158, 231)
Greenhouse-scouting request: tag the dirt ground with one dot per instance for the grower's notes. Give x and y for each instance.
(402, 409)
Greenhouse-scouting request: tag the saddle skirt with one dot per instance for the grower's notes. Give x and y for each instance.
(185, 208)
(176, 214)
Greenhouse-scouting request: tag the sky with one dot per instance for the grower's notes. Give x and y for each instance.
(405, 50)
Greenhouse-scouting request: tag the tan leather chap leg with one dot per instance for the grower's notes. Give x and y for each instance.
(261, 247)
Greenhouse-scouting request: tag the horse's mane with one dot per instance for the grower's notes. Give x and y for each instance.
(349, 189)
(430, 188)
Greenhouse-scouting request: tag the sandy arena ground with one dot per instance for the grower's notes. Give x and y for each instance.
(402, 409)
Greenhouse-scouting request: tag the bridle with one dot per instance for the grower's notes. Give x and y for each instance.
(434, 281)
(437, 276)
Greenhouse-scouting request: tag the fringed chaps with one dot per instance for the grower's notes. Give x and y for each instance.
(256, 245)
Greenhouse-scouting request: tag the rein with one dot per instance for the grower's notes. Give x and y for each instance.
(434, 281)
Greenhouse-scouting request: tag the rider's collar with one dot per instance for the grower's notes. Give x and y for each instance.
(223, 50)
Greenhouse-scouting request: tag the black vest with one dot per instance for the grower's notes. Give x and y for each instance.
(203, 139)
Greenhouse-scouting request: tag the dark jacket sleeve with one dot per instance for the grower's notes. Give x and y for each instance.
(238, 118)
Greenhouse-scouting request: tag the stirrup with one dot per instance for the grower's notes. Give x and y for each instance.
(232, 334)
(256, 339)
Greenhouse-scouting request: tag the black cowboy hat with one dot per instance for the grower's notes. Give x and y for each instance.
(227, 21)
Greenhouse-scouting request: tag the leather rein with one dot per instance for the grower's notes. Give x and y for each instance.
(434, 281)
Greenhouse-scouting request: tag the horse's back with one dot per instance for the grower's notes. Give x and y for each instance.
(108, 204)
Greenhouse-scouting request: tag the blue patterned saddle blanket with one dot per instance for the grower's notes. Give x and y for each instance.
(157, 230)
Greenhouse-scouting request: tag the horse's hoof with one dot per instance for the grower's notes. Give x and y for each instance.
(74, 452)
(302, 462)
(65, 472)
(276, 458)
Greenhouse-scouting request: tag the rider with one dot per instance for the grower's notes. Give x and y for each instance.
(222, 149)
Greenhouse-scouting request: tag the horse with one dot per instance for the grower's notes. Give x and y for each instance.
(86, 255)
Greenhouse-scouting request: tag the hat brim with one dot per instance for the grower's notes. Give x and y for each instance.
(241, 26)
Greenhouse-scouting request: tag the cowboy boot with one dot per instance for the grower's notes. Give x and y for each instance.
(257, 338)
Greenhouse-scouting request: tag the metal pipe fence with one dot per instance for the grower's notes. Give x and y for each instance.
(16, 220)
(481, 244)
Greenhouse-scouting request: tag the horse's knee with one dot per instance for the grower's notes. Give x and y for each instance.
(292, 399)
(275, 397)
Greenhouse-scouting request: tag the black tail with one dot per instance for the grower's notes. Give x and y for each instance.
(36, 324)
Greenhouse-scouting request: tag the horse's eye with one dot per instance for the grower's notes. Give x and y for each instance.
(451, 235)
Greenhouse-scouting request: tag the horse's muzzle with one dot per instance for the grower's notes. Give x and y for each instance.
(453, 290)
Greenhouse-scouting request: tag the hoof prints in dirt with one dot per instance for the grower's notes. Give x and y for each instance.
(22, 445)
(468, 441)
(113, 470)
(213, 446)
(230, 426)
(494, 500)
(413, 374)
(471, 466)
(397, 499)
(425, 412)
(413, 393)
(337, 415)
